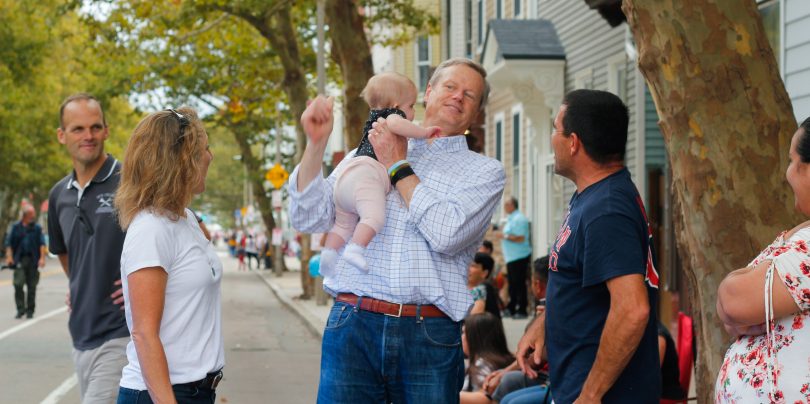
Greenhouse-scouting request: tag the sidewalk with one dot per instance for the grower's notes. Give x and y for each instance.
(287, 288)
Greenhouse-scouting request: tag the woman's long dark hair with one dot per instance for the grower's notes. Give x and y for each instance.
(486, 340)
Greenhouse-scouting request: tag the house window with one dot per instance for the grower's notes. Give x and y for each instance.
(516, 183)
(449, 29)
(468, 29)
(499, 9)
(516, 139)
(498, 140)
(583, 80)
(617, 75)
(423, 62)
(556, 203)
(770, 19)
(517, 7)
(480, 22)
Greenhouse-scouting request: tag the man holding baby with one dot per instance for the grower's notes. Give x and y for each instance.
(394, 332)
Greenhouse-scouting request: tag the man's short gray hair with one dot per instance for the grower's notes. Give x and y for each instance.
(437, 74)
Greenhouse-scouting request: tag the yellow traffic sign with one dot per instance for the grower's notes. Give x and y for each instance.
(277, 176)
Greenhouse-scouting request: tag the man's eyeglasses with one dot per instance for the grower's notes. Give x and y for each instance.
(184, 122)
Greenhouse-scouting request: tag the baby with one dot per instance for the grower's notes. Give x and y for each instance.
(361, 187)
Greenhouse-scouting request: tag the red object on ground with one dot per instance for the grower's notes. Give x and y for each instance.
(686, 355)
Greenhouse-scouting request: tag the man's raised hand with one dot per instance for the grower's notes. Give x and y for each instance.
(317, 119)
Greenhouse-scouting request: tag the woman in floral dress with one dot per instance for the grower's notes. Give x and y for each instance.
(767, 305)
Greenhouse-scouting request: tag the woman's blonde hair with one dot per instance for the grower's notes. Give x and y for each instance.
(162, 165)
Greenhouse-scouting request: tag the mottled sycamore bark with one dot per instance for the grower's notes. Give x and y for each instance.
(727, 123)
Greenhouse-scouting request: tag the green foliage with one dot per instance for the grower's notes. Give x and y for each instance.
(196, 53)
(44, 58)
(225, 181)
(403, 18)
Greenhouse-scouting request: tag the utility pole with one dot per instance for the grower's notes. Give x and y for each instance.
(278, 258)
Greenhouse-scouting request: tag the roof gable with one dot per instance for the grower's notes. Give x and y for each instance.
(523, 39)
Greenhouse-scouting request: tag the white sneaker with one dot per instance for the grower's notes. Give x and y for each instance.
(328, 262)
(353, 254)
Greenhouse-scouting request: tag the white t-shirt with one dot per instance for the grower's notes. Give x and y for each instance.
(191, 327)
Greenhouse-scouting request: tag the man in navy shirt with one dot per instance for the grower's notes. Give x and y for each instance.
(599, 328)
(25, 251)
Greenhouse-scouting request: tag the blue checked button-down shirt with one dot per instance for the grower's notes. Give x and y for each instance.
(422, 254)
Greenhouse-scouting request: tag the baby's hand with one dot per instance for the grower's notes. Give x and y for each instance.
(433, 131)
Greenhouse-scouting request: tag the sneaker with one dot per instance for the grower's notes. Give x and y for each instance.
(29, 315)
(19, 314)
(520, 316)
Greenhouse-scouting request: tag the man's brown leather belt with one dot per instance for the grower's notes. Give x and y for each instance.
(390, 309)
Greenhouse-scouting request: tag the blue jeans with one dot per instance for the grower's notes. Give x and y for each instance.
(183, 394)
(373, 358)
(529, 395)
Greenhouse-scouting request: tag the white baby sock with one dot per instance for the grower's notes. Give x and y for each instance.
(328, 261)
(353, 254)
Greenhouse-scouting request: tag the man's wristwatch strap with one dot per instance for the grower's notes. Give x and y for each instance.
(401, 173)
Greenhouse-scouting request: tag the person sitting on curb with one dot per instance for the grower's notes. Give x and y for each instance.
(485, 296)
(501, 383)
(484, 343)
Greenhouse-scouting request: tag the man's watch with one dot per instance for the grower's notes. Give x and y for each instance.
(402, 172)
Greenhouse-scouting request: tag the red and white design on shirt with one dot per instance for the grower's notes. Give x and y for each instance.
(651, 276)
(562, 237)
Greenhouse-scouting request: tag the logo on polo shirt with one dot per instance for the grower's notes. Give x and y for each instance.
(105, 202)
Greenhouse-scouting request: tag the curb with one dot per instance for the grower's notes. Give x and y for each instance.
(313, 324)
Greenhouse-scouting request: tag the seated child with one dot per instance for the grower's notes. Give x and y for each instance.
(483, 341)
(361, 187)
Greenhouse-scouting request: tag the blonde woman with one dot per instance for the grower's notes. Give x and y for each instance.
(171, 273)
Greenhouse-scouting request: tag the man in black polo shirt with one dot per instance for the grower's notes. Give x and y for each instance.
(86, 236)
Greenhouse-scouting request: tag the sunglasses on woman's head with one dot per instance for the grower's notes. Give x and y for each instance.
(184, 122)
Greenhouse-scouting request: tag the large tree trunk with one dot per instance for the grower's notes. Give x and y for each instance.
(350, 48)
(727, 122)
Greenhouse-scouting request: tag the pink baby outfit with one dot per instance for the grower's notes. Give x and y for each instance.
(360, 193)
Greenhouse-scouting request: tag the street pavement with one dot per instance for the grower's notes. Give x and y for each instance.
(271, 355)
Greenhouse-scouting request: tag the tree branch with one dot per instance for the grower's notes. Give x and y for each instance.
(204, 29)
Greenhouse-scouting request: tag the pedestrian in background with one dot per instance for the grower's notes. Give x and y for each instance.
(171, 272)
(517, 253)
(600, 328)
(25, 252)
(436, 217)
(84, 233)
(252, 251)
